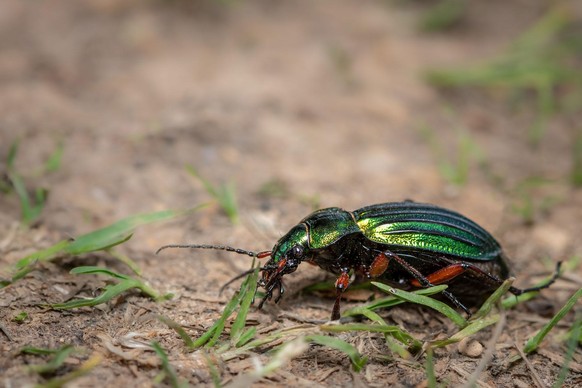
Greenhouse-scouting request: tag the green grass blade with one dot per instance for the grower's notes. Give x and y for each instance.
(365, 311)
(12, 152)
(392, 301)
(429, 367)
(20, 317)
(576, 172)
(397, 348)
(394, 331)
(41, 351)
(244, 298)
(514, 300)
(228, 202)
(110, 291)
(246, 336)
(30, 211)
(59, 357)
(248, 294)
(84, 369)
(441, 307)
(97, 270)
(118, 232)
(42, 255)
(178, 329)
(229, 309)
(100, 239)
(223, 194)
(210, 337)
(53, 163)
(443, 15)
(206, 183)
(575, 336)
(493, 299)
(358, 362)
(265, 340)
(533, 343)
(125, 260)
(474, 327)
(213, 369)
(174, 380)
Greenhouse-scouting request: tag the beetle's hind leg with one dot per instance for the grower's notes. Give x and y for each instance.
(519, 291)
(441, 276)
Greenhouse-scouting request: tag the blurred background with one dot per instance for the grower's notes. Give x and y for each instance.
(293, 106)
(271, 109)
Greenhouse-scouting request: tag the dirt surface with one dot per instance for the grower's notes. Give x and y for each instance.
(322, 101)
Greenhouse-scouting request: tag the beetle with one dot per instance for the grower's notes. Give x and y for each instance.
(404, 244)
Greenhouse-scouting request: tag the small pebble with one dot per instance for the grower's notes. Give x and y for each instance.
(470, 348)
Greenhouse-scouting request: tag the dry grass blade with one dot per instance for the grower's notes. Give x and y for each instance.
(490, 349)
(284, 354)
(535, 377)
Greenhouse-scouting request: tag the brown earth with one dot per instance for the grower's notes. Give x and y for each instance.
(322, 100)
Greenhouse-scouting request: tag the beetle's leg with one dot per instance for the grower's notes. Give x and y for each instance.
(281, 291)
(518, 291)
(378, 266)
(424, 282)
(450, 272)
(265, 298)
(269, 287)
(342, 282)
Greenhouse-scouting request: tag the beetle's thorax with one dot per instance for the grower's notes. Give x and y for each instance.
(298, 236)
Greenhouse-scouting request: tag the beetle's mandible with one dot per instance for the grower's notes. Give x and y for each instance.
(404, 244)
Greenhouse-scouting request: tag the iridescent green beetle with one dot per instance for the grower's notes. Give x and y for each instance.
(404, 244)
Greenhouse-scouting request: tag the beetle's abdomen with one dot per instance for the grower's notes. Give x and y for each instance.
(427, 228)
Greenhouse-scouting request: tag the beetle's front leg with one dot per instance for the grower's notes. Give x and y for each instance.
(342, 282)
(281, 291)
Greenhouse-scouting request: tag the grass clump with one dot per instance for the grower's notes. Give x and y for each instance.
(99, 240)
(543, 61)
(224, 194)
(56, 362)
(32, 202)
(110, 291)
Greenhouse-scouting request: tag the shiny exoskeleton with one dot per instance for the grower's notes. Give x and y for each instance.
(404, 244)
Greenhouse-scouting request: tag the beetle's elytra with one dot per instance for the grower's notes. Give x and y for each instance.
(404, 244)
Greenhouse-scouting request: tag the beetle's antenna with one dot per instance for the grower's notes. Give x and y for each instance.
(258, 255)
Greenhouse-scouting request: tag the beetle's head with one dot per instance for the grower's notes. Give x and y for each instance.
(286, 256)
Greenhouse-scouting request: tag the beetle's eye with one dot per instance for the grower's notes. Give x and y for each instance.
(296, 252)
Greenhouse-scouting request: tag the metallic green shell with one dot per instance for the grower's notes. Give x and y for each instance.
(326, 226)
(296, 236)
(426, 227)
